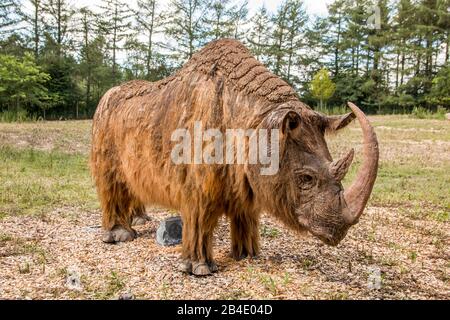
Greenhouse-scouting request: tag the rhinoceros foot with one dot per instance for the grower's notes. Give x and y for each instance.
(140, 220)
(119, 234)
(198, 268)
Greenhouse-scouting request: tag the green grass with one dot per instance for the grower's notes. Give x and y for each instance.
(5, 237)
(414, 168)
(270, 232)
(338, 295)
(35, 181)
(115, 283)
(417, 112)
(411, 184)
(269, 284)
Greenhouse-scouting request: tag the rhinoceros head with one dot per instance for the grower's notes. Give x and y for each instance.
(307, 192)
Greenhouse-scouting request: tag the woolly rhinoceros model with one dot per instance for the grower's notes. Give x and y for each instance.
(224, 87)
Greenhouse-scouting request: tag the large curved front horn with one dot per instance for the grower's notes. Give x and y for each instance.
(357, 195)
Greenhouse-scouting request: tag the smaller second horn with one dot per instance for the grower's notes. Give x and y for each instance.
(339, 168)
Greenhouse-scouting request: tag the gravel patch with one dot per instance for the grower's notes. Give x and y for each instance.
(60, 255)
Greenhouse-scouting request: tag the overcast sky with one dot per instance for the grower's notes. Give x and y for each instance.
(313, 7)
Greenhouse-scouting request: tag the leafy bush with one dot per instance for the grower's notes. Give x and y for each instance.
(16, 116)
(422, 113)
(22, 84)
(335, 110)
(322, 87)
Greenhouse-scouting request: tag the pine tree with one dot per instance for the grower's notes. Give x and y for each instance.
(14, 45)
(337, 24)
(87, 21)
(224, 19)
(287, 36)
(443, 24)
(279, 35)
(101, 69)
(148, 19)
(9, 15)
(400, 30)
(136, 55)
(185, 26)
(34, 20)
(219, 22)
(377, 41)
(259, 34)
(315, 40)
(58, 18)
(296, 20)
(440, 89)
(115, 25)
(239, 15)
(355, 35)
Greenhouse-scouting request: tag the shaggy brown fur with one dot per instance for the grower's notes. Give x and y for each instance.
(224, 87)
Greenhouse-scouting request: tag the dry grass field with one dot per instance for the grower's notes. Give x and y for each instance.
(50, 244)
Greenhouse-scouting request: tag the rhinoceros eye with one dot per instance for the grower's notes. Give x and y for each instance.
(305, 180)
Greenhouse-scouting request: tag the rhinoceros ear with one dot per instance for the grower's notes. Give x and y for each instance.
(288, 121)
(334, 123)
(291, 121)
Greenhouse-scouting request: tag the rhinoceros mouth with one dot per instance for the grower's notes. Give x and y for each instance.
(327, 239)
(330, 241)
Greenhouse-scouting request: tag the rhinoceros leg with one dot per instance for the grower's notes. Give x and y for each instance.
(244, 235)
(198, 228)
(139, 216)
(122, 230)
(118, 208)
